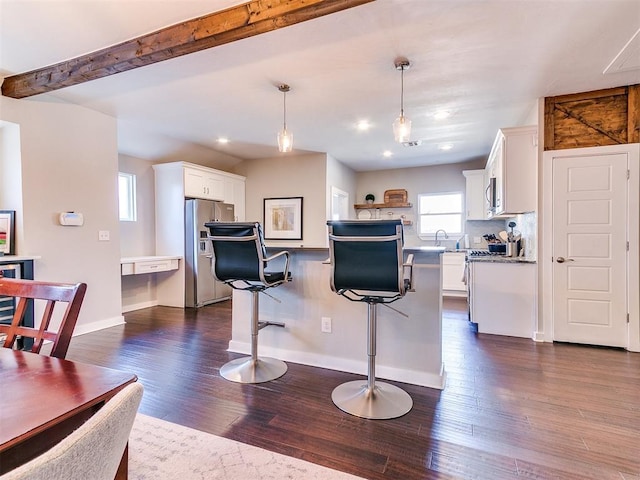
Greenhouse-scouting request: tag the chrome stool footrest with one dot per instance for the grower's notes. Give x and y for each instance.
(261, 325)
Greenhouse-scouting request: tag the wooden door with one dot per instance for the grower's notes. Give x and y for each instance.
(590, 215)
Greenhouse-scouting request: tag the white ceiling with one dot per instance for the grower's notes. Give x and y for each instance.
(487, 62)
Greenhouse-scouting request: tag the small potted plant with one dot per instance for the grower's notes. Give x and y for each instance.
(370, 198)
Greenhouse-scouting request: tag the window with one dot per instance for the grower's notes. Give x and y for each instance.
(127, 196)
(440, 211)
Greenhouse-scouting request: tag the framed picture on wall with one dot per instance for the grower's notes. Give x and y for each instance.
(283, 218)
(7, 232)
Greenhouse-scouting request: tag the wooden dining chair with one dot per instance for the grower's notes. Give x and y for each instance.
(32, 290)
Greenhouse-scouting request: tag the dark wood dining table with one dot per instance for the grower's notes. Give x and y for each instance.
(43, 399)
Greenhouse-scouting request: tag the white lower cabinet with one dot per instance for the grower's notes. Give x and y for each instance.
(503, 297)
(453, 274)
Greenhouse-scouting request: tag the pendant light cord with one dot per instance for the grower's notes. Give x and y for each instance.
(402, 91)
(284, 108)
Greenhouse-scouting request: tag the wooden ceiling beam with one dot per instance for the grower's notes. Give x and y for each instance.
(226, 26)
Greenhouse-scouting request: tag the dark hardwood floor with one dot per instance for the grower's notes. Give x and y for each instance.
(511, 408)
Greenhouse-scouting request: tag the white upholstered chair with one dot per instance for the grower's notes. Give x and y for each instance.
(94, 450)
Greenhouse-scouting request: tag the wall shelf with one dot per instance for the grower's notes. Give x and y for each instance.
(359, 206)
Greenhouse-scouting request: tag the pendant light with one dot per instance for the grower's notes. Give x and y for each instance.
(402, 125)
(285, 137)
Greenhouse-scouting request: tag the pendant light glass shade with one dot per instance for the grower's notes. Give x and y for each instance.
(402, 129)
(285, 137)
(402, 125)
(285, 141)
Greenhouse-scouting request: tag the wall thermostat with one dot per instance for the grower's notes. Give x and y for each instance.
(71, 219)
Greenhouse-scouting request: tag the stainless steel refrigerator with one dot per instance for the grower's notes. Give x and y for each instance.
(201, 287)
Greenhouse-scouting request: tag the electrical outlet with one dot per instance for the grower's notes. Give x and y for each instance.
(103, 235)
(326, 324)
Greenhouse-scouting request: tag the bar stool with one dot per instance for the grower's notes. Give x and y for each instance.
(239, 260)
(367, 266)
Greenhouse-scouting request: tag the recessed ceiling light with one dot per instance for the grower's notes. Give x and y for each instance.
(445, 146)
(387, 153)
(441, 114)
(223, 140)
(363, 125)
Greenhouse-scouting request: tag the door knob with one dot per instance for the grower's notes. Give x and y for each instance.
(562, 259)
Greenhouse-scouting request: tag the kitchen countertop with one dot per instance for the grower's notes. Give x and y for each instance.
(499, 259)
(18, 258)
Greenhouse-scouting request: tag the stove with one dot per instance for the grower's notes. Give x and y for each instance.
(484, 253)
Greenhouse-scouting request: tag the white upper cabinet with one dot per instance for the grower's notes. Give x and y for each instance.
(513, 164)
(234, 192)
(187, 180)
(203, 183)
(475, 198)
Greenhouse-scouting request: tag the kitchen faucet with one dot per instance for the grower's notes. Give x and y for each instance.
(445, 236)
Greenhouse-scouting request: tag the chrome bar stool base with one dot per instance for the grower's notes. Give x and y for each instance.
(248, 370)
(386, 401)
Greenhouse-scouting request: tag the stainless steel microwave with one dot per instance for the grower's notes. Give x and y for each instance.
(491, 197)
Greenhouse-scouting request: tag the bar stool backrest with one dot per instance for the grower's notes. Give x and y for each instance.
(238, 250)
(366, 255)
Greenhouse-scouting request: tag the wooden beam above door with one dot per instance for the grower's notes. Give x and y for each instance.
(226, 26)
(592, 119)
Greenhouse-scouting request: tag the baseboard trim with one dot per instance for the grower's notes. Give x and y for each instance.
(454, 293)
(538, 336)
(413, 377)
(99, 325)
(139, 306)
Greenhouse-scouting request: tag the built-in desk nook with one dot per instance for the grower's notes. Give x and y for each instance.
(141, 274)
(148, 264)
(409, 350)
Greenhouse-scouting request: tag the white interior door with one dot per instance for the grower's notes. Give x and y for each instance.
(590, 221)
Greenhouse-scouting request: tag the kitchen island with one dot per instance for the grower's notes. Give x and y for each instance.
(409, 348)
(502, 295)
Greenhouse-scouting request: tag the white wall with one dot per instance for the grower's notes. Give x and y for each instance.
(10, 174)
(290, 176)
(342, 177)
(69, 162)
(138, 238)
(418, 180)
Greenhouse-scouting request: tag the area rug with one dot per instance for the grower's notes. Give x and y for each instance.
(161, 450)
